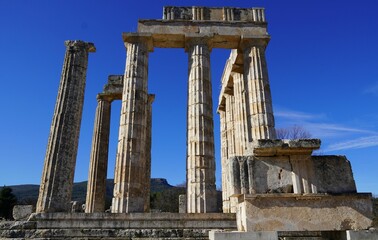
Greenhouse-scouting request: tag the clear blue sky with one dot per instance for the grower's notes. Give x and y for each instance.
(322, 61)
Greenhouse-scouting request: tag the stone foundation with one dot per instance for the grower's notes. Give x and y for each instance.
(304, 212)
(118, 226)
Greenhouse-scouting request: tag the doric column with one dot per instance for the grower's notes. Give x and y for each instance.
(256, 78)
(240, 114)
(224, 162)
(96, 190)
(201, 190)
(59, 166)
(230, 126)
(129, 176)
(147, 183)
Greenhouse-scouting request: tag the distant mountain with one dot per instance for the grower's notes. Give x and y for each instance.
(164, 197)
(28, 193)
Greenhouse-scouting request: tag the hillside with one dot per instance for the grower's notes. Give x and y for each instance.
(164, 197)
(28, 193)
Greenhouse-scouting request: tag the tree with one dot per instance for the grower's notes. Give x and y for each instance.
(293, 132)
(7, 202)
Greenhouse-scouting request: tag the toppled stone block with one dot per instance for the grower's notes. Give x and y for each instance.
(22, 212)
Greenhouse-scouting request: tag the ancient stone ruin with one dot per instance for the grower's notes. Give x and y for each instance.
(271, 187)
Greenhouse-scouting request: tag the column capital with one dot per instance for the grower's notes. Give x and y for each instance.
(198, 39)
(78, 45)
(144, 38)
(258, 41)
(104, 97)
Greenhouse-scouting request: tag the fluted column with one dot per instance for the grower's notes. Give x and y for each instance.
(230, 126)
(259, 96)
(147, 183)
(96, 189)
(201, 190)
(224, 162)
(59, 165)
(240, 114)
(129, 176)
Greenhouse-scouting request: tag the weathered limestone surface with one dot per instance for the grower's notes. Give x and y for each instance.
(201, 191)
(333, 174)
(22, 212)
(310, 212)
(59, 165)
(259, 97)
(255, 175)
(182, 203)
(225, 170)
(96, 190)
(242, 128)
(147, 182)
(266, 235)
(286, 166)
(362, 234)
(129, 178)
(114, 87)
(214, 14)
(171, 34)
(118, 226)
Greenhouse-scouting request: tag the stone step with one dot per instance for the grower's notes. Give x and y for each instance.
(304, 238)
(170, 226)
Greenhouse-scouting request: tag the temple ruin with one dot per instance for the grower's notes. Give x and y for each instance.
(271, 187)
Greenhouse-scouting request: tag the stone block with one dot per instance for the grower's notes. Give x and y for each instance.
(97, 220)
(307, 212)
(182, 203)
(279, 147)
(22, 212)
(229, 14)
(333, 174)
(260, 175)
(289, 173)
(363, 234)
(267, 235)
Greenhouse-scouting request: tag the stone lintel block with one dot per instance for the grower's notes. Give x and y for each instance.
(267, 235)
(227, 35)
(114, 87)
(304, 212)
(277, 147)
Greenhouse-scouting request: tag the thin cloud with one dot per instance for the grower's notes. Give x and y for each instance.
(362, 142)
(316, 124)
(372, 89)
(338, 128)
(294, 115)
